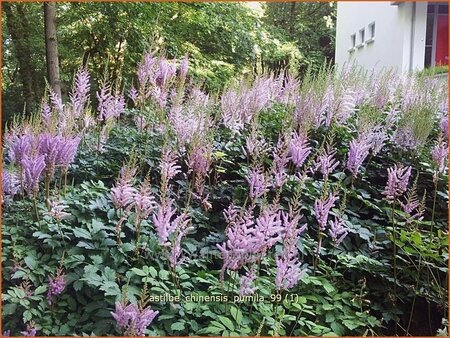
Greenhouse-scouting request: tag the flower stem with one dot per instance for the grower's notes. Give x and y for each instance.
(434, 206)
(36, 211)
(319, 244)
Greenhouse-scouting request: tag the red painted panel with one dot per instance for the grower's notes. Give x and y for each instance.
(442, 40)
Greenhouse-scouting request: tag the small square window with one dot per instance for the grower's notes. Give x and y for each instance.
(352, 40)
(362, 33)
(372, 30)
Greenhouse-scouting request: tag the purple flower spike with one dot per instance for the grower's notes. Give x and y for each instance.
(439, 155)
(338, 231)
(326, 162)
(67, 151)
(32, 167)
(359, 149)
(288, 266)
(80, 94)
(169, 168)
(132, 320)
(322, 208)
(246, 283)
(30, 332)
(144, 319)
(123, 193)
(10, 185)
(144, 202)
(56, 102)
(258, 183)
(397, 184)
(184, 67)
(18, 147)
(280, 161)
(181, 229)
(109, 106)
(199, 161)
(46, 113)
(56, 286)
(298, 149)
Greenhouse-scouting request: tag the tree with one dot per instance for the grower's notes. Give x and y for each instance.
(19, 29)
(311, 25)
(51, 47)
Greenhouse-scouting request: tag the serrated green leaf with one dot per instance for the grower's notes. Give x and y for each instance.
(81, 233)
(178, 326)
(236, 314)
(138, 272)
(152, 271)
(40, 289)
(31, 262)
(227, 322)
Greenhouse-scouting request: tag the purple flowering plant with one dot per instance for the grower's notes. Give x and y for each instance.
(277, 188)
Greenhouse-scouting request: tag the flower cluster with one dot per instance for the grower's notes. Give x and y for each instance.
(338, 231)
(30, 332)
(358, 151)
(246, 282)
(123, 193)
(57, 210)
(248, 239)
(258, 182)
(109, 105)
(10, 185)
(280, 161)
(322, 208)
(80, 94)
(133, 320)
(56, 285)
(439, 155)
(298, 149)
(398, 177)
(325, 162)
(288, 266)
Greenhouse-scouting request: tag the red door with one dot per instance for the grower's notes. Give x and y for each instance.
(442, 40)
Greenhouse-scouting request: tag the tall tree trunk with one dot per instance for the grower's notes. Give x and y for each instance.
(51, 47)
(292, 18)
(17, 27)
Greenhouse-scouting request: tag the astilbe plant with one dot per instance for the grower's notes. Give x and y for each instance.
(33, 166)
(299, 149)
(30, 331)
(80, 94)
(439, 155)
(246, 283)
(199, 164)
(325, 162)
(288, 272)
(10, 185)
(280, 161)
(322, 209)
(257, 181)
(123, 193)
(413, 207)
(56, 210)
(56, 285)
(398, 178)
(337, 230)
(358, 151)
(249, 238)
(132, 319)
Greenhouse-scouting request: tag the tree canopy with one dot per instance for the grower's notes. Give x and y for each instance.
(222, 39)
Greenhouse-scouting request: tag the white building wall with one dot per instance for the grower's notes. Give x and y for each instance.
(391, 47)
